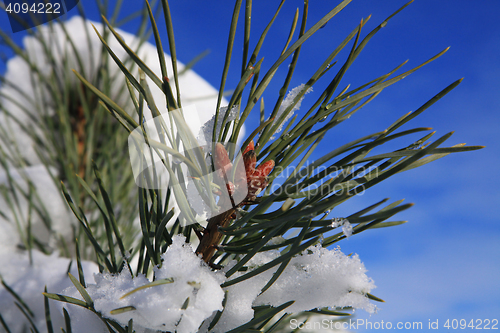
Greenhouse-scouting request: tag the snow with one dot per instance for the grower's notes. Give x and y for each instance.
(49, 196)
(321, 278)
(316, 278)
(161, 307)
(346, 226)
(206, 131)
(241, 296)
(28, 281)
(292, 94)
(9, 238)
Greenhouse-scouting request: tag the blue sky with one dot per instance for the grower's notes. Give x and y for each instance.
(444, 263)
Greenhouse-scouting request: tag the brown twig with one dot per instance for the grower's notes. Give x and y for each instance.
(254, 179)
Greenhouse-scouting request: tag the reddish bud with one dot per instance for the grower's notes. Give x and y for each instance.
(250, 160)
(221, 160)
(264, 169)
(250, 146)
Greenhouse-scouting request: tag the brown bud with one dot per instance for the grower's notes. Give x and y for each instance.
(221, 160)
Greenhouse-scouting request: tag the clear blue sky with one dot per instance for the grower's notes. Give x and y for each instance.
(444, 263)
